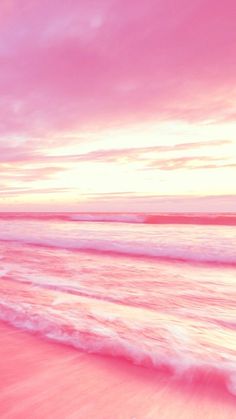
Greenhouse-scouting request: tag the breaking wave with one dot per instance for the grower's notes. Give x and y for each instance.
(182, 368)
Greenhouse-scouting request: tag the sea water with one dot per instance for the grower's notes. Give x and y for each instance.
(157, 290)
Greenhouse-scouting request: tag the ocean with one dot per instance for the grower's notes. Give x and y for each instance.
(157, 291)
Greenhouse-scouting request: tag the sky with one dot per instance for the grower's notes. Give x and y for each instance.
(117, 105)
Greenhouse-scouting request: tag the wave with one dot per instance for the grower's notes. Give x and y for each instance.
(117, 218)
(227, 219)
(67, 288)
(200, 253)
(196, 219)
(108, 344)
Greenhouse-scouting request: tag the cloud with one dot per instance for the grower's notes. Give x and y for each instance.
(18, 191)
(26, 163)
(68, 66)
(17, 153)
(31, 152)
(26, 174)
(77, 72)
(23, 164)
(139, 153)
(190, 163)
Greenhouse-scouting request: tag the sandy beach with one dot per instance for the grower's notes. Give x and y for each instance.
(42, 379)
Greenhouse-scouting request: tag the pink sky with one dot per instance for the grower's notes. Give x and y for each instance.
(118, 105)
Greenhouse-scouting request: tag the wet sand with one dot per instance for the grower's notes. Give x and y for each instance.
(42, 379)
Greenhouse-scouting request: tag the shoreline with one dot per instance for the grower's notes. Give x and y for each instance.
(45, 379)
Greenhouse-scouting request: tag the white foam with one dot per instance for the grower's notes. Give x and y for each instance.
(4, 271)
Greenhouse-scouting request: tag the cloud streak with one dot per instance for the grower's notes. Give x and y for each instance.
(26, 165)
(6, 191)
(32, 152)
(190, 163)
(141, 153)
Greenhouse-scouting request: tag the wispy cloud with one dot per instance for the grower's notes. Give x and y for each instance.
(26, 174)
(31, 152)
(15, 153)
(141, 153)
(191, 163)
(8, 191)
(26, 164)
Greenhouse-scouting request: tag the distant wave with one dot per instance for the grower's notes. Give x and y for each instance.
(117, 218)
(141, 218)
(189, 370)
(201, 219)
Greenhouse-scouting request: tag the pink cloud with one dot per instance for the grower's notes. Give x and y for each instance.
(72, 65)
(30, 175)
(16, 161)
(13, 152)
(140, 153)
(191, 163)
(31, 152)
(18, 191)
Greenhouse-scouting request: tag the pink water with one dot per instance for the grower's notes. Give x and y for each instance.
(160, 296)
